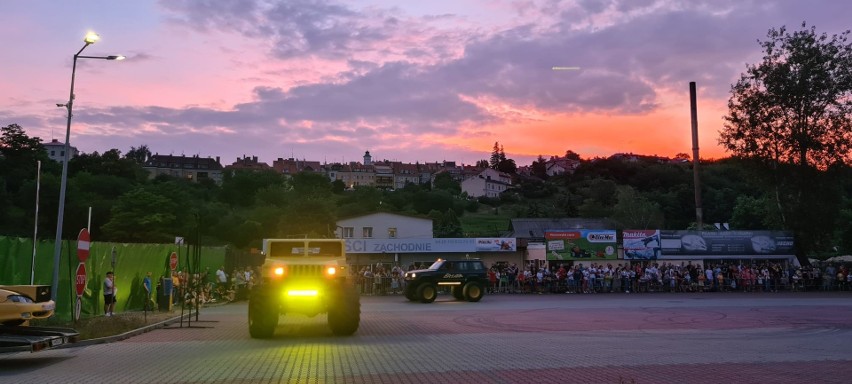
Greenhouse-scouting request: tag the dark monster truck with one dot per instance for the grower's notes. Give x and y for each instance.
(304, 276)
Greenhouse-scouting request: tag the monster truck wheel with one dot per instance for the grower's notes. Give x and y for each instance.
(344, 316)
(472, 292)
(263, 315)
(457, 292)
(410, 294)
(427, 293)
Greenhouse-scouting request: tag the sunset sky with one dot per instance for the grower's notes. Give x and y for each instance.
(406, 80)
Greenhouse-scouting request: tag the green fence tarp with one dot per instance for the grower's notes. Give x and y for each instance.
(132, 262)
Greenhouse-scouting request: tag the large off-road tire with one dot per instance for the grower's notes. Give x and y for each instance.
(427, 293)
(410, 294)
(473, 292)
(344, 315)
(263, 315)
(457, 292)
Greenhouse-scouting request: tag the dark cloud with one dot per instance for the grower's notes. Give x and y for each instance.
(295, 27)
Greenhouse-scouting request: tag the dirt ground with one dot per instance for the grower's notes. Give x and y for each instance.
(102, 326)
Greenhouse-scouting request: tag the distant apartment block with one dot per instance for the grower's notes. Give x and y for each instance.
(293, 166)
(192, 168)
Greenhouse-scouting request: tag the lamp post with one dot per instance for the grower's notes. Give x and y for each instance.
(90, 39)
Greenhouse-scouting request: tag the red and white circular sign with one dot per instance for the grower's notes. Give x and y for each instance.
(83, 245)
(173, 260)
(81, 279)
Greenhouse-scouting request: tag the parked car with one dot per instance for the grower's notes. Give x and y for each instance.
(21, 303)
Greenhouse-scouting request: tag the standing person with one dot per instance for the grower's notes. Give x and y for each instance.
(221, 281)
(109, 294)
(146, 283)
(240, 283)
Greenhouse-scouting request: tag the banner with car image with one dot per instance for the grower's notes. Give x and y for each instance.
(580, 244)
(725, 243)
(641, 244)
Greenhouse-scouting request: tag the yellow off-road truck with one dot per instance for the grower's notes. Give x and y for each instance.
(308, 277)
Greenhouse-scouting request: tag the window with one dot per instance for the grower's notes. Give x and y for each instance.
(368, 232)
(392, 233)
(348, 232)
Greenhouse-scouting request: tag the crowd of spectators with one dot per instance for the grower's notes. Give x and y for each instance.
(381, 279)
(210, 287)
(579, 277)
(722, 276)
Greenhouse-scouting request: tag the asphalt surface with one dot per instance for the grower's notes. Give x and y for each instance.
(597, 338)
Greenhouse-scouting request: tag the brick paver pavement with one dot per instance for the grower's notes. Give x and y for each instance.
(614, 338)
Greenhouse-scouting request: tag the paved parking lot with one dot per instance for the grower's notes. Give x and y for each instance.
(612, 338)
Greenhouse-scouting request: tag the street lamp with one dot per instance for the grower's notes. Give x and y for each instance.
(90, 39)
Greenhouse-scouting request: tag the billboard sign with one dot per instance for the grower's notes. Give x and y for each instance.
(580, 244)
(726, 243)
(641, 244)
(432, 245)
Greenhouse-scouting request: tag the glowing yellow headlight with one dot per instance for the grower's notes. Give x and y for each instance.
(279, 271)
(331, 271)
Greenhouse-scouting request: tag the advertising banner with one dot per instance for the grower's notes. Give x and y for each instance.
(579, 244)
(725, 243)
(641, 244)
(436, 245)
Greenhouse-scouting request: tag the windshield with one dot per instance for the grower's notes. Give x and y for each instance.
(436, 265)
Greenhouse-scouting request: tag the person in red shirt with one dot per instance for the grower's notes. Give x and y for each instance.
(492, 279)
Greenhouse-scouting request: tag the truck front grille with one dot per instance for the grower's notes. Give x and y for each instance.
(305, 270)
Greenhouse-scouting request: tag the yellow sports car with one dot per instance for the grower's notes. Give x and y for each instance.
(21, 303)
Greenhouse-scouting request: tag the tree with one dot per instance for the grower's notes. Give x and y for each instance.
(571, 155)
(539, 167)
(495, 156)
(792, 112)
(482, 163)
(444, 181)
(795, 106)
(634, 211)
(508, 166)
(19, 154)
(139, 155)
(143, 216)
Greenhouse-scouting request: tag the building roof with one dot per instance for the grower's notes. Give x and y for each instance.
(293, 166)
(191, 162)
(249, 163)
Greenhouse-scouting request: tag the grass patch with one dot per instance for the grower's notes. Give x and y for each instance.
(487, 222)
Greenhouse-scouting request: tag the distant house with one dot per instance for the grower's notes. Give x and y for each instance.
(561, 166)
(193, 168)
(488, 183)
(56, 151)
